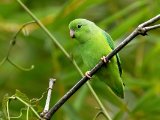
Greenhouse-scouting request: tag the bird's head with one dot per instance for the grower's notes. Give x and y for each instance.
(81, 29)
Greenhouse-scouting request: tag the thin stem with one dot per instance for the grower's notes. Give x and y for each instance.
(20, 115)
(3, 61)
(152, 27)
(27, 114)
(20, 67)
(23, 26)
(12, 43)
(150, 21)
(28, 105)
(96, 116)
(54, 40)
(93, 92)
(8, 117)
(77, 67)
(34, 100)
(100, 104)
(44, 28)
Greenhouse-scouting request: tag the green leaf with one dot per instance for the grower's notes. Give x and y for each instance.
(22, 96)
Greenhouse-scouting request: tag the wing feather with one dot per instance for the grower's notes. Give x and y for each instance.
(111, 44)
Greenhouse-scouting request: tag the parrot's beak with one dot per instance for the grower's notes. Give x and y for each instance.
(72, 33)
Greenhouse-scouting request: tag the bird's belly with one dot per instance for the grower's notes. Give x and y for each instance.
(91, 59)
(91, 53)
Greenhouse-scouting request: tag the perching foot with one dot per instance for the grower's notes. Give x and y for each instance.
(87, 74)
(103, 58)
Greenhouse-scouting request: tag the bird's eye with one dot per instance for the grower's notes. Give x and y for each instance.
(79, 26)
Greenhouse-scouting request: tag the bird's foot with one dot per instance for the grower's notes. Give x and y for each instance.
(103, 58)
(87, 74)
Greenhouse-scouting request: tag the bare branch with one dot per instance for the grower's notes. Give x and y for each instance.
(46, 108)
(152, 27)
(140, 30)
(150, 21)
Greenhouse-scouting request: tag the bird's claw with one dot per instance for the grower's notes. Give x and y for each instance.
(103, 58)
(87, 74)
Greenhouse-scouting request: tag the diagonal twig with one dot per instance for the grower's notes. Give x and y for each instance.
(142, 29)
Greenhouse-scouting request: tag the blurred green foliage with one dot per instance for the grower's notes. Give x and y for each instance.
(140, 59)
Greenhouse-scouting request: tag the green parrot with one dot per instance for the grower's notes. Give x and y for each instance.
(93, 44)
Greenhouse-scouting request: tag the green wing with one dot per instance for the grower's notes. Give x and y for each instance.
(111, 44)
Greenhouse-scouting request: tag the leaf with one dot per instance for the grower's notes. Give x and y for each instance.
(4, 105)
(22, 96)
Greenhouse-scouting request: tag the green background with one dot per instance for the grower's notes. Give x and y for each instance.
(140, 58)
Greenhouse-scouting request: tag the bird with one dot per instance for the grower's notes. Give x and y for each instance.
(93, 44)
